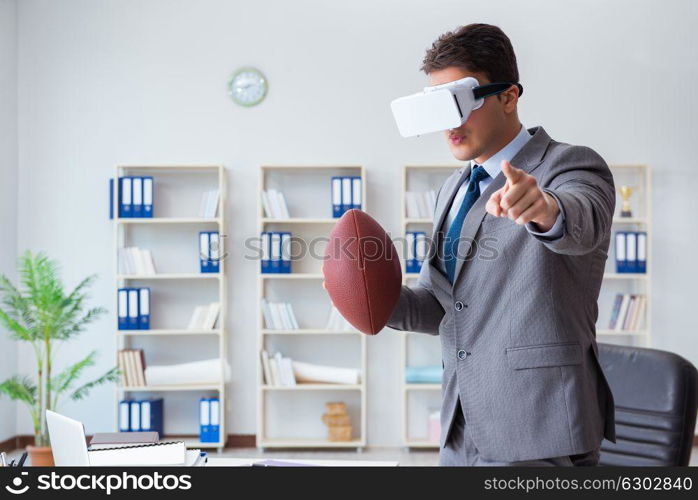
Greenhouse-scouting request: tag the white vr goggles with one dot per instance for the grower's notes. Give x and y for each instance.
(443, 107)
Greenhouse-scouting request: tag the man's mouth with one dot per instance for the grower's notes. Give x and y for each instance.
(455, 139)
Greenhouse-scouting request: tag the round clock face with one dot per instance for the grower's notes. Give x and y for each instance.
(247, 87)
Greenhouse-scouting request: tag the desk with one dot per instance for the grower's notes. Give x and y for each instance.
(240, 462)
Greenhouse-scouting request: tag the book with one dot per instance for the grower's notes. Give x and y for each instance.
(205, 317)
(266, 368)
(119, 439)
(208, 208)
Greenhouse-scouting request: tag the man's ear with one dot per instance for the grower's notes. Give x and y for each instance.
(510, 98)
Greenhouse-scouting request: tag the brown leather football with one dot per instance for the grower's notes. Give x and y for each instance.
(362, 271)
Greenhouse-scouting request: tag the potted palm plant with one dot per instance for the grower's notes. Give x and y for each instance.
(39, 311)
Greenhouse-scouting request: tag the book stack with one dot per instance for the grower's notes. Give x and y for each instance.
(141, 415)
(631, 252)
(135, 197)
(279, 316)
(132, 367)
(282, 371)
(628, 312)
(205, 317)
(134, 308)
(277, 370)
(346, 194)
(337, 421)
(208, 208)
(209, 420)
(416, 250)
(276, 252)
(337, 323)
(134, 260)
(420, 205)
(274, 204)
(209, 252)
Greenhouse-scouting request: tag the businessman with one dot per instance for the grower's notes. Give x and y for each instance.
(520, 239)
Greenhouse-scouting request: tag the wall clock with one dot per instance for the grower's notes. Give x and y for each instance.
(247, 87)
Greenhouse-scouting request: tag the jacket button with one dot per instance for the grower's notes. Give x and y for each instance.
(462, 354)
(459, 306)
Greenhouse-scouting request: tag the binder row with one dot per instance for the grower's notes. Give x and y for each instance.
(135, 197)
(346, 194)
(276, 256)
(631, 252)
(209, 251)
(141, 415)
(416, 250)
(134, 308)
(209, 420)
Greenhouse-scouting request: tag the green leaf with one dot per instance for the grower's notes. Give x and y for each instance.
(82, 391)
(20, 389)
(62, 382)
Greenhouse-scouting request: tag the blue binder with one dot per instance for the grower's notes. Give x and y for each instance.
(137, 188)
(266, 252)
(144, 308)
(285, 253)
(631, 252)
(135, 419)
(356, 192)
(621, 252)
(214, 251)
(642, 252)
(152, 418)
(411, 265)
(204, 252)
(336, 192)
(275, 263)
(122, 305)
(111, 199)
(125, 197)
(133, 309)
(214, 420)
(346, 194)
(147, 197)
(124, 415)
(205, 420)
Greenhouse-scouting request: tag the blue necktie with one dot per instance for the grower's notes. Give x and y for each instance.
(472, 193)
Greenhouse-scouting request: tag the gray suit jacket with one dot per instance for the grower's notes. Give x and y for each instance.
(523, 310)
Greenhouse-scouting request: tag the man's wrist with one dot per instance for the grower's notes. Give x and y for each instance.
(546, 223)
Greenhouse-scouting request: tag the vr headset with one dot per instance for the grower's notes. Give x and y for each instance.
(443, 107)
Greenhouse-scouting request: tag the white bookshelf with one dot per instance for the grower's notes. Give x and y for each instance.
(174, 226)
(417, 397)
(308, 195)
(639, 177)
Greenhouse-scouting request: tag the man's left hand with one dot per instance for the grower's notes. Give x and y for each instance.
(522, 200)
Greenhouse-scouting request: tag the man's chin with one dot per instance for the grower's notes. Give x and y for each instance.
(462, 153)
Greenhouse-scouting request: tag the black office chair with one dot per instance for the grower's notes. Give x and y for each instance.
(656, 398)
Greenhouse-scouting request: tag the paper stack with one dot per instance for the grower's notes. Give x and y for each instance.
(134, 260)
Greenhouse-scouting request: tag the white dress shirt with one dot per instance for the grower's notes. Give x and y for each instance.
(493, 166)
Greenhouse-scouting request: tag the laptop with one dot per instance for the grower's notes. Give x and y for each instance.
(68, 441)
(69, 447)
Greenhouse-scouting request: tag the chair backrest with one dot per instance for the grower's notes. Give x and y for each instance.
(655, 394)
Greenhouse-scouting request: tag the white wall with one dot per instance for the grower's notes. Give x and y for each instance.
(109, 82)
(8, 191)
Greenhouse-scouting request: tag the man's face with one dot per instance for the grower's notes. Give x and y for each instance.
(483, 128)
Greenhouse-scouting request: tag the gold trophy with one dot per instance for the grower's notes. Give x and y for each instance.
(625, 193)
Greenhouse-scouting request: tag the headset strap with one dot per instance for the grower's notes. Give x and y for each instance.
(493, 89)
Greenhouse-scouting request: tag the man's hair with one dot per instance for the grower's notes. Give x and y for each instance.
(478, 48)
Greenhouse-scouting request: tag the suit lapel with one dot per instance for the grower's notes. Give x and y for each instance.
(529, 157)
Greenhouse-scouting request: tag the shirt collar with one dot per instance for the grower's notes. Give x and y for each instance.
(494, 164)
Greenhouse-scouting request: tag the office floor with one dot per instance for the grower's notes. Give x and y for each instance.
(415, 457)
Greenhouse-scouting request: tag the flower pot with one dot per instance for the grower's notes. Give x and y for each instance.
(41, 456)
